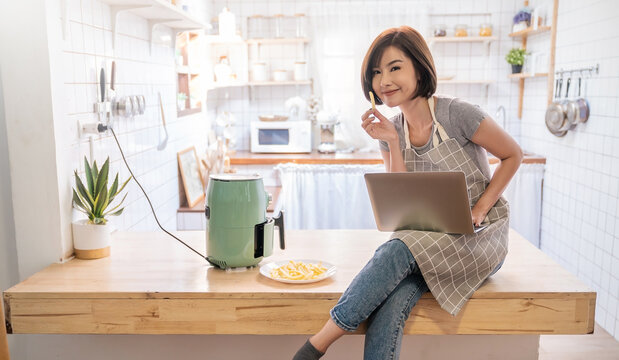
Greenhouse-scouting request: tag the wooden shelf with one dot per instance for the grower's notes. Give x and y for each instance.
(523, 36)
(258, 83)
(187, 70)
(456, 81)
(525, 75)
(530, 31)
(279, 41)
(271, 83)
(462, 39)
(216, 39)
(188, 112)
(237, 40)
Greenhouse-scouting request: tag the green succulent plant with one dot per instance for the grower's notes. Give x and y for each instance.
(516, 56)
(94, 198)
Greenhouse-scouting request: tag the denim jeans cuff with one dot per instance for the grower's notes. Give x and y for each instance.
(339, 323)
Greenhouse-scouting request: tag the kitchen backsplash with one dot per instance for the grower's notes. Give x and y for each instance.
(581, 184)
(87, 46)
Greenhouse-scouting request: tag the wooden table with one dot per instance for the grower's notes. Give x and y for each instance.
(152, 284)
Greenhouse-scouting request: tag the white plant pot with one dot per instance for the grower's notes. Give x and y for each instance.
(91, 241)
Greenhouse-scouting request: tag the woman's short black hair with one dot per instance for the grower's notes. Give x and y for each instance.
(409, 41)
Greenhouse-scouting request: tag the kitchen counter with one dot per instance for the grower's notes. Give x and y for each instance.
(249, 158)
(152, 284)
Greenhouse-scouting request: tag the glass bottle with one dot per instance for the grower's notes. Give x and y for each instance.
(301, 25)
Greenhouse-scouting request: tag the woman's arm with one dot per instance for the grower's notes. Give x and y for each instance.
(497, 142)
(394, 162)
(393, 158)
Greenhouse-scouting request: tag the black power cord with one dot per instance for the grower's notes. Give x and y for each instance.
(102, 128)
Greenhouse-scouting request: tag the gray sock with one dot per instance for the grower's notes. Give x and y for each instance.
(308, 352)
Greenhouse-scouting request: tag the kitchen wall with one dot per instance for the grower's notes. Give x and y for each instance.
(8, 251)
(341, 32)
(88, 46)
(581, 187)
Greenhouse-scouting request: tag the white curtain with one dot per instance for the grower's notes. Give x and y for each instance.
(524, 194)
(325, 196)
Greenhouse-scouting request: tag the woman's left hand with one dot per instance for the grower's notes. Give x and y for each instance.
(478, 215)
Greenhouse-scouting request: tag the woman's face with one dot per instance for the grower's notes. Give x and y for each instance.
(395, 80)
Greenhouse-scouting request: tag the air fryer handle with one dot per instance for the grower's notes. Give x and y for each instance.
(279, 222)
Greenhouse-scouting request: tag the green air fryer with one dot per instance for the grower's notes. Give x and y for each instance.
(238, 232)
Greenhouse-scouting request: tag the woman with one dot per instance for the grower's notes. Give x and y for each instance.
(432, 133)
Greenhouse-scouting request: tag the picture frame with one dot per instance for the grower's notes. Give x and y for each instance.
(191, 175)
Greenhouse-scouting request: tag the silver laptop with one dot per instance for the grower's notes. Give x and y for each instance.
(429, 201)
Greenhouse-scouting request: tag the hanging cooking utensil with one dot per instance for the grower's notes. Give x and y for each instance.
(582, 114)
(163, 142)
(554, 113)
(570, 108)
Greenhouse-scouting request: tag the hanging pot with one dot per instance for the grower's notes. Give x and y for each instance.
(555, 117)
(582, 105)
(569, 110)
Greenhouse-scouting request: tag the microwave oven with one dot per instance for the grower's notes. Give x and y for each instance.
(281, 136)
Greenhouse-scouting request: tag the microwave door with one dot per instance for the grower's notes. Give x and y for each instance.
(274, 137)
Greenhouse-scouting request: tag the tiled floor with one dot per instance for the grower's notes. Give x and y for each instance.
(598, 346)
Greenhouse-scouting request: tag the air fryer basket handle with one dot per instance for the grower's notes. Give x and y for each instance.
(279, 222)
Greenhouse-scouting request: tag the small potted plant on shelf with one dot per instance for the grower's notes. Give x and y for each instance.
(515, 57)
(91, 237)
(180, 100)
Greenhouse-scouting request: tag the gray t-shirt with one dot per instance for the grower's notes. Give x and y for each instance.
(460, 120)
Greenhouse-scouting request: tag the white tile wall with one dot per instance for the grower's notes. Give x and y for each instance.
(88, 47)
(580, 222)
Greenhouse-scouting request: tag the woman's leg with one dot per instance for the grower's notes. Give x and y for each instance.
(383, 338)
(391, 263)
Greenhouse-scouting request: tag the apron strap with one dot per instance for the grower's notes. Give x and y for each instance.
(439, 130)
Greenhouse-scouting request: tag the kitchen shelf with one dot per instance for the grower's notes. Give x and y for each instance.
(481, 82)
(524, 75)
(485, 13)
(258, 83)
(462, 39)
(156, 12)
(187, 70)
(530, 31)
(278, 41)
(523, 36)
(289, 82)
(220, 40)
(189, 45)
(229, 84)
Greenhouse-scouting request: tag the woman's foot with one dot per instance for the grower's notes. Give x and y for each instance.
(308, 352)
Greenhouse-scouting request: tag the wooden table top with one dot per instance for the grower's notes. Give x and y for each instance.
(249, 158)
(152, 264)
(152, 284)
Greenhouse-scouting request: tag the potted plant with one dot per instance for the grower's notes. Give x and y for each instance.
(181, 101)
(515, 57)
(91, 237)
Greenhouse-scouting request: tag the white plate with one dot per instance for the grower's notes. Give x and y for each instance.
(267, 268)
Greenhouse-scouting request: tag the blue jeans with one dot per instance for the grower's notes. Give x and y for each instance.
(384, 292)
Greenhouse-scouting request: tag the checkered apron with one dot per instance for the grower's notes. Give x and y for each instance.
(454, 266)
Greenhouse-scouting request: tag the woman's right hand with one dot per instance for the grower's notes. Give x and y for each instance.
(383, 129)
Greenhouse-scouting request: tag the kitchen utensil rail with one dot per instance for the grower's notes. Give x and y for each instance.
(590, 69)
